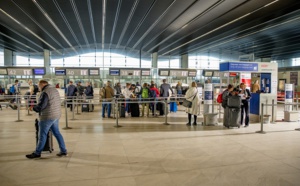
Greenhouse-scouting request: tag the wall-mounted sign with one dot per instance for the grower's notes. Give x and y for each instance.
(192, 73)
(239, 67)
(60, 72)
(145, 72)
(77, 72)
(130, 72)
(94, 72)
(3, 71)
(179, 73)
(114, 72)
(19, 71)
(39, 71)
(164, 72)
(294, 78)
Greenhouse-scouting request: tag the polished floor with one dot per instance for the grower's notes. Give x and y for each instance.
(145, 152)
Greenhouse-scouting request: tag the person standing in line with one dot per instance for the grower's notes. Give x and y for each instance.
(179, 88)
(245, 95)
(226, 93)
(127, 94)
(49, 110)
(256, 87)
(71, 92)
(164, 89)
(33, 90)
(89, 91)
(80, 89)
(118, 89)
(192, 95)
(108, 95)
(145, 93)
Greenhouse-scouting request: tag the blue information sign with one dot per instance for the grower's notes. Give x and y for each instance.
(288, 94)
(239, 67)
(208, 95)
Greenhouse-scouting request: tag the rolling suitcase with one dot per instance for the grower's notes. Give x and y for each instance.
(173, 107)
(135, 110)
(160, 108)
(122, 111)
(233, 117)
(85, 107)
(49, 141)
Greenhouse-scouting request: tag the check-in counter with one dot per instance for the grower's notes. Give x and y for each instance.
(255, 108)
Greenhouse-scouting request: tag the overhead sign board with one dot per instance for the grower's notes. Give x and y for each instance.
(239, 67)
(39, 71)
(19, 71)
(77, 72)
(94, 72)
(114, 72)
(179, 73)
(130, 72)
(3, 71)
(146, 72)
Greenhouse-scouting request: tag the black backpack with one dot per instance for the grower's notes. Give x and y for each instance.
(35, 89)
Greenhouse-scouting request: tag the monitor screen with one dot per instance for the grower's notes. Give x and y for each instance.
(208, 73)
(3, 71)
(192, 73)
(114, 72)
(94, 72)
(164, 73)
(39, 71)
(60, 72)
(145, 72)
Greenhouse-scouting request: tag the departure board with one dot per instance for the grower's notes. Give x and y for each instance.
(192, 73)
(60, 72)
(114, 72)
(130, 72)
(164, 72)
(94, 72)
(77, 72)
(3, 71)
(39, 71)
(146, 73)
(179, 73)
(216, 74)
(19, 71)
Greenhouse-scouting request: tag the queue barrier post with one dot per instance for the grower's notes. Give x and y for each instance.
(166, 112)
(27, 106)
(19, 105)
(261, 120)
(273, 112)
(117, 115)
(73, 109)
(66, 113)
(77, 112)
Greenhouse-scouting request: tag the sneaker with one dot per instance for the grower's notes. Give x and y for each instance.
(61, 154)
(32, 156)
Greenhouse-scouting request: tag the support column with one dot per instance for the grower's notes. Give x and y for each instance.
(47, 61)
(184, 61)
(154, 60)
(9, 58)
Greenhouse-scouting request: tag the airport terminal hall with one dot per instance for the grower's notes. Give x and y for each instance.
(149, 93)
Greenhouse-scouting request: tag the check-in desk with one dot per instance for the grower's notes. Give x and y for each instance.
(255, 105)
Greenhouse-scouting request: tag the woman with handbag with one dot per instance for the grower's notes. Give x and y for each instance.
(192, 95)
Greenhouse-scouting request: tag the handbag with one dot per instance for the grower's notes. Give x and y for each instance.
(188, 104)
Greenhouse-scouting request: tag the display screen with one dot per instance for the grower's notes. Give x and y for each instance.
(19, 71)
(192, 73)
(179, 73)
(60, 72)
(39, 71)
(128, 72)
(94, 72)
(114, 72)
(145, 72)
(3, 71)
(77, 72)
(216, 74)
(164, 73)
(208, 73)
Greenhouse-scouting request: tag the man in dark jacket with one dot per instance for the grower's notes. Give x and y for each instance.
(49, 111)
(89, 91)
(71, 93)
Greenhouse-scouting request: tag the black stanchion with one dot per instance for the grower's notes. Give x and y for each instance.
(19, 105)
(66, 111)
(166, 113)
(261, 120)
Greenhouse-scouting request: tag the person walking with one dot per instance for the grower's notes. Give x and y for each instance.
(245, 95)
(49, 110)
(14, 90)
(192, 95)
(108, 95)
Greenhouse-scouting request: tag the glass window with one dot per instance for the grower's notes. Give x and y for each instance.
(1, 57)
(22, 60)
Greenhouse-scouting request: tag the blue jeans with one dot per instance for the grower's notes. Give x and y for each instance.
(108, 109)
(44, 127)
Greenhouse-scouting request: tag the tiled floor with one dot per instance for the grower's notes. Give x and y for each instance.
(145, 152)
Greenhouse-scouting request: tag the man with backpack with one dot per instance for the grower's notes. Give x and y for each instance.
(14, 91)
(145, 94)
(155, 93)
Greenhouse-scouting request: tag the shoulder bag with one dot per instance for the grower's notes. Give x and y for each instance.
(188, 104)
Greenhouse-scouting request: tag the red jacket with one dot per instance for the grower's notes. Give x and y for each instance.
(156, 91)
